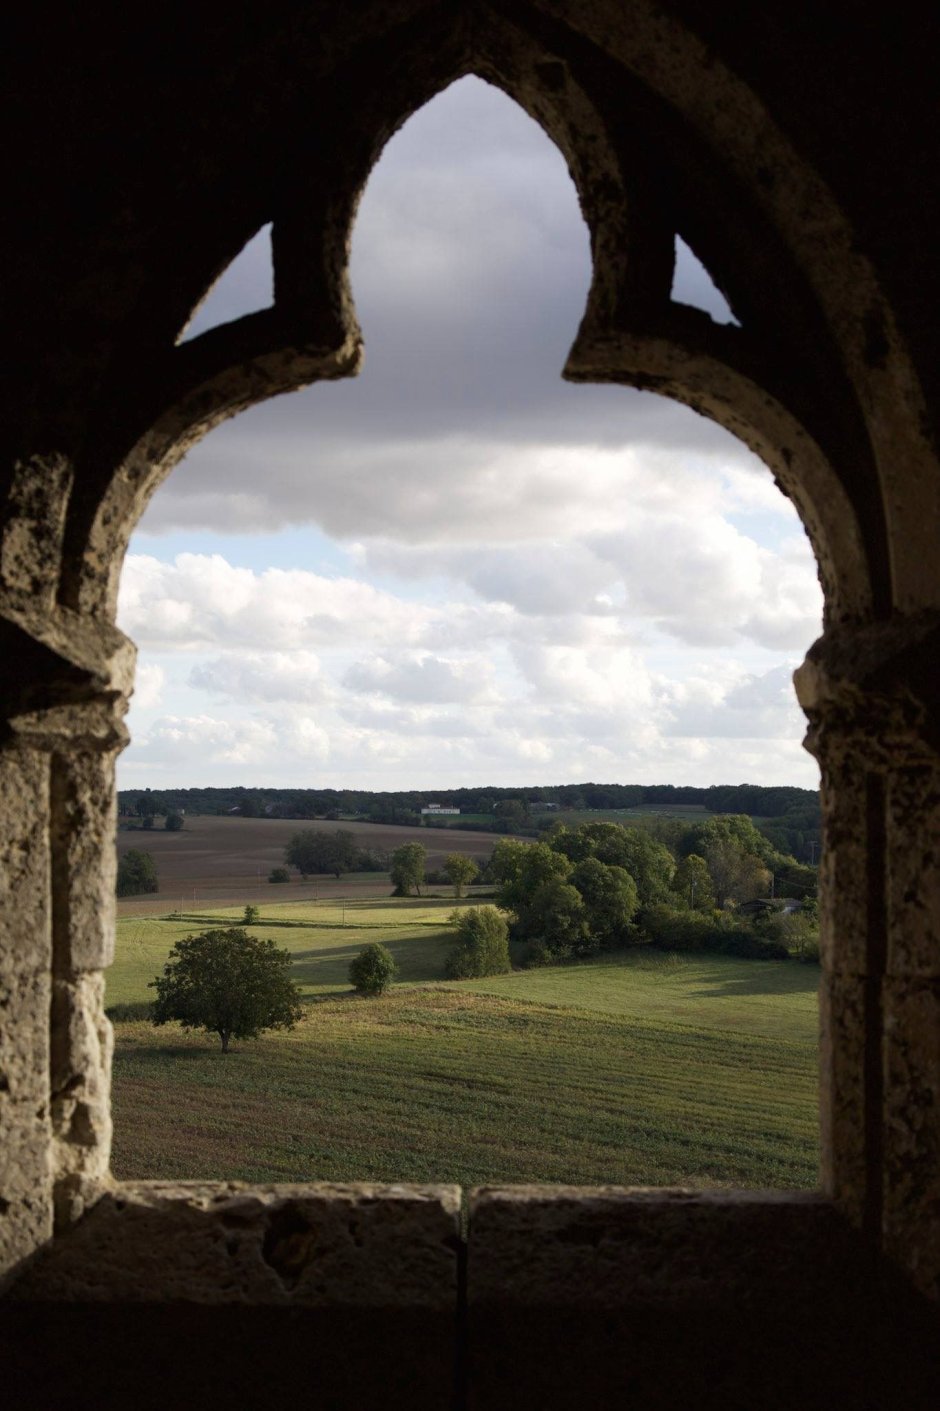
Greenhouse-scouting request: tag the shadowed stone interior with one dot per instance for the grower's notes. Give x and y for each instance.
(792, 148)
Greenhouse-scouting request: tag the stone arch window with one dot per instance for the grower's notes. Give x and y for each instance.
(823, 379)
(512, 330)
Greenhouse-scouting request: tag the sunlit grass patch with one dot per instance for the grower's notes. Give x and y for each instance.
(636, 1068)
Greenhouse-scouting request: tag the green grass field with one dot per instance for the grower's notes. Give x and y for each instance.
(322, 936)
(643, 1068)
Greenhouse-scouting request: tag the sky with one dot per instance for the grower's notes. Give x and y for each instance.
(457, 569)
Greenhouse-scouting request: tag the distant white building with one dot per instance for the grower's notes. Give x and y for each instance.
(437, 810)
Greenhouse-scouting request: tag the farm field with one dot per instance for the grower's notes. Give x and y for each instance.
(214, 861)
(642, 1068)
(323, 936)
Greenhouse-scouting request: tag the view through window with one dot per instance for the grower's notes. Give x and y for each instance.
(459, 583)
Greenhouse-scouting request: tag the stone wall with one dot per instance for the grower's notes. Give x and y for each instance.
(792, 149)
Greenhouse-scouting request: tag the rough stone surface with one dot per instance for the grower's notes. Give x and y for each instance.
(80, 1081)
(913, 871)
(318, 1246)
(31, 540)
(844, 1101)
(25, 986)
(615, 1297)
(83, 826)
(609, 1247)
(845, 918)
(912, 1129)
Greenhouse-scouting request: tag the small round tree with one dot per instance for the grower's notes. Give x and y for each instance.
(279, 874)
(407, 869)
(173, 822)
(228, 983)
(250, 915)
(482, 944)
(372, 971)
(136, 874)
(460, 870)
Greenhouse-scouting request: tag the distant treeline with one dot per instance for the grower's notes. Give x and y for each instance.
(754, 799)
(792, 814)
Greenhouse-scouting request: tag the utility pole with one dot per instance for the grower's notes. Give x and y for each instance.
(812, 851)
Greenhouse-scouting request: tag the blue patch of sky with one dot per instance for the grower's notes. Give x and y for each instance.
(301, 546)
(692, 284)
(304, 547)
(245, 286)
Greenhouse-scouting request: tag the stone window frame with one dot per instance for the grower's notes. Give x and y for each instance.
(817, 380)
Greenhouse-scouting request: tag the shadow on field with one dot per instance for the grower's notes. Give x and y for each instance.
(128, 1012)
(339, 996)
(801, 979)
(158, 1053)
(418, 958)
(353, 923)
(326, 952)
(227, 923)
(399, 947)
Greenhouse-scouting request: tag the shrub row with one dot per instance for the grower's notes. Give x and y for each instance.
(669, 929)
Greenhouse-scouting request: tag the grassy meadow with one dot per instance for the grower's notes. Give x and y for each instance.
(640, 1068)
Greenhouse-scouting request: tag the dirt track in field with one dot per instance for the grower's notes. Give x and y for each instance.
(214, 862)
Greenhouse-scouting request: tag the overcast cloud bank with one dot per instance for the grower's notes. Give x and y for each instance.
(512, 579)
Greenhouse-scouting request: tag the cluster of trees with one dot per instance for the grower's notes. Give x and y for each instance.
(408, 871)
(315, 852)
(136, 874)
(789, 816)
(573, 895)
(482, 946)
(601, 886)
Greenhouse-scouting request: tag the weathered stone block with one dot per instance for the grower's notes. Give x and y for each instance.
(659, 1299)
(84, 860)
(843, 872)
(31, 542)
(319, 1246)
(844, 1006)
(25, 937)
(82, 1042)
(25, 959)
(912, 1129)
(913, 871)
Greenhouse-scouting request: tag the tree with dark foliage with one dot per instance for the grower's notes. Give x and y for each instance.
(372, 971)
(228, 983)
(136, 874)
(407, 869)
(314, 851)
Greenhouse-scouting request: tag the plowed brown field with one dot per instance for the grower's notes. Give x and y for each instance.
(225, 861)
